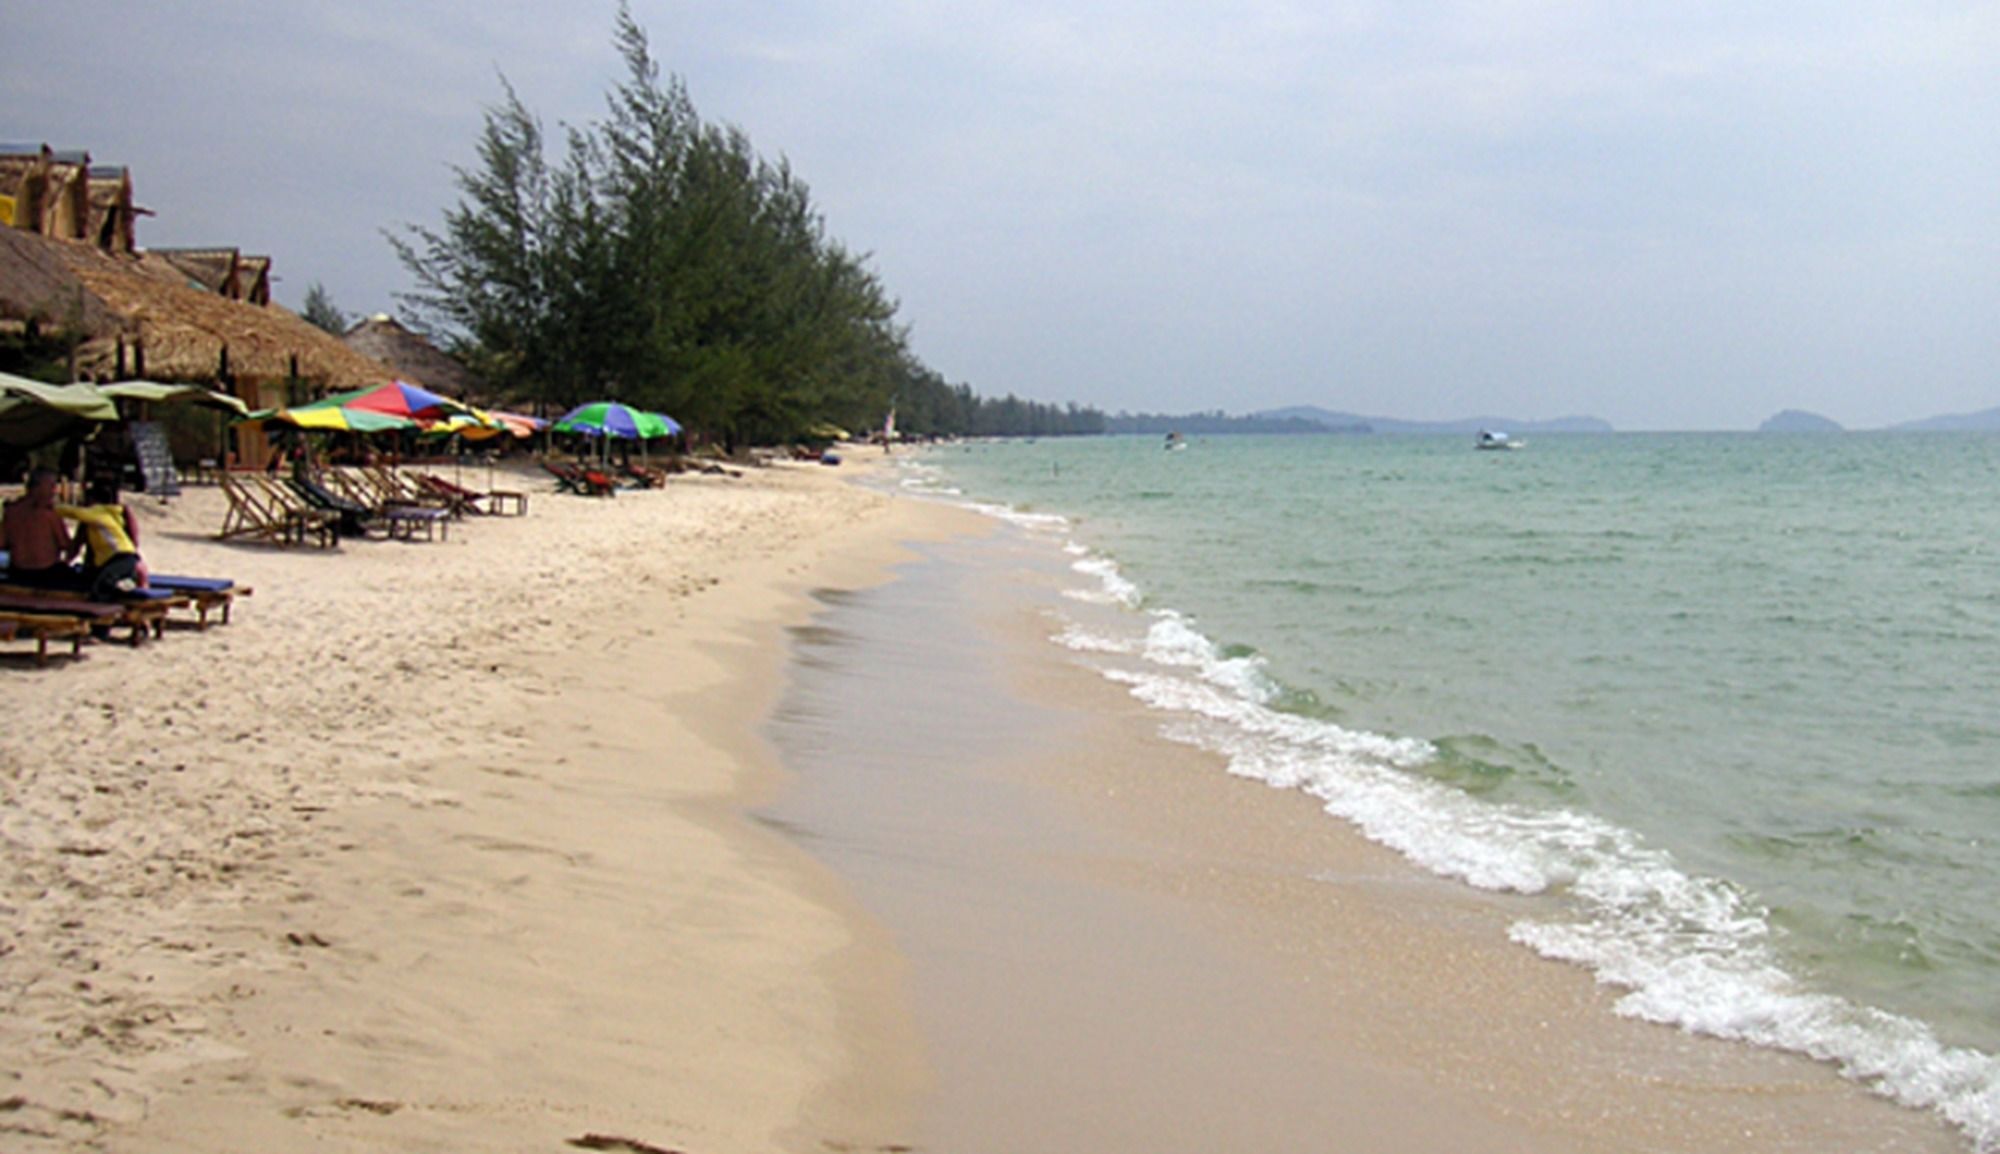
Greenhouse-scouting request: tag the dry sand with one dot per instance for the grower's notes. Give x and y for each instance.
(442, 846)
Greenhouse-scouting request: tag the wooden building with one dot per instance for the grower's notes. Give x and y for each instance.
(45, 191)
(113, 216)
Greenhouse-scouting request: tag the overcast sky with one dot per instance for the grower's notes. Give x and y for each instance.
(1667, 214)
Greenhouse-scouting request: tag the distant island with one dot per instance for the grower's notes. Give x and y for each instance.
(1800, 421)
(1986, 420)
(1212, 423)
(1312, 420)
(1349, 422)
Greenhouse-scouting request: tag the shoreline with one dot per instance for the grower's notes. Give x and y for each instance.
(492, 845)
(448, 846)
(1404, 984)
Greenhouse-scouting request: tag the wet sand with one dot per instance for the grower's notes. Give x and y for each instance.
(1114, 946)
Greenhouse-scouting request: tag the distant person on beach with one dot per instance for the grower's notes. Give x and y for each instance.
(37, 539)
(106, 528)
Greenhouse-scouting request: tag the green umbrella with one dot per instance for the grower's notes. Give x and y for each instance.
(33, 414)
(78, 400)
(156, 392)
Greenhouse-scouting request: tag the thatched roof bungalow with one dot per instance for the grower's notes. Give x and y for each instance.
(413, 357)
(140, 318)
(45, 191)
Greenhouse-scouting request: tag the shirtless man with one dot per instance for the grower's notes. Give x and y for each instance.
(38, 541)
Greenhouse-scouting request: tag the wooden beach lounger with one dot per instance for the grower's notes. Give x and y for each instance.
(205, 592)
(498, 502)
(43, 628)
(144, 618)
(586, 482)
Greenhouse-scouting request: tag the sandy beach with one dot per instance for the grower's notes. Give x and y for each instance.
(593, 829)
(441, 846)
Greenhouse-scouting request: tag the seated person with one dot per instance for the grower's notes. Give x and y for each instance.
(36, 538)
(106, 526)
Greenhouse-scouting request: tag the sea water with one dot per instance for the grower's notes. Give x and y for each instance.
(1731, 701)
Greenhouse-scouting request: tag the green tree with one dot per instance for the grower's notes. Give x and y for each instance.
(662, 261)
(321, 312)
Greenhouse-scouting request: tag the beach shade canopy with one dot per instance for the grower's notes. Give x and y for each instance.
(80, 400)
(611, 419)
(34, 414)
(155, 392)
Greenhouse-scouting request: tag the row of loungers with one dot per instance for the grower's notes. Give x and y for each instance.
(45, 615)
(352, 502)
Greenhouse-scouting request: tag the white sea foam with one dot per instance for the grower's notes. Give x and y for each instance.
(1112, 588)
(1689, 951)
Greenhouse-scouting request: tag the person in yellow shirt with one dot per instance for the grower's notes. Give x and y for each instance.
(106, 529)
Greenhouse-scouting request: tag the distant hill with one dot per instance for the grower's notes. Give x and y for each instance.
(1800, 421)
(1209, 424)
(1982, 421)
(1465, 427)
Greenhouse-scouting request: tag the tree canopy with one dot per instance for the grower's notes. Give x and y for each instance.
(658, 259)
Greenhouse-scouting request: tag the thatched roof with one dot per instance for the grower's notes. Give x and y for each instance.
(37, 286)
(182, 330)
(49, 191)
(212, 268)
(412, 356)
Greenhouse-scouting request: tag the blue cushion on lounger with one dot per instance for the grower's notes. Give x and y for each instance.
(192, 584)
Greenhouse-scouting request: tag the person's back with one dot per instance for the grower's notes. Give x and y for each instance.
(37, 540)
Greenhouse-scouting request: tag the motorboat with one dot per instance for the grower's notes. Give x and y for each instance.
(1175, 442)
(1494, 440)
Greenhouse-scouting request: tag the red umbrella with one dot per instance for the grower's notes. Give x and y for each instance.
(398, 399)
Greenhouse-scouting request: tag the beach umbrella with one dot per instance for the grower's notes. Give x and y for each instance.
(520, 425)
(397, 399)
(611, 419)
(334, 418)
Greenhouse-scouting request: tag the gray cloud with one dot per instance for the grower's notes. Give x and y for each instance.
(1671, 215)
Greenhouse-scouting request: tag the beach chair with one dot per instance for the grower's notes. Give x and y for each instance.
(497, 502)
(645, 476)
(205, 593)
(352, 518)
(458, 499)
(145, 617)
(582, 481)
(301, 521)
(375, 489)
(249, 515)
(43, 628)
(262, 507)
(402, 489)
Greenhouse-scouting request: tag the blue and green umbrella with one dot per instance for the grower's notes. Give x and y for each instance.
(611, 419)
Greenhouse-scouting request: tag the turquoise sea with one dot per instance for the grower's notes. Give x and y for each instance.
(1732, 701)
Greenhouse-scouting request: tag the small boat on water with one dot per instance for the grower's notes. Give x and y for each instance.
(1493, 440)
(1175, 441)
